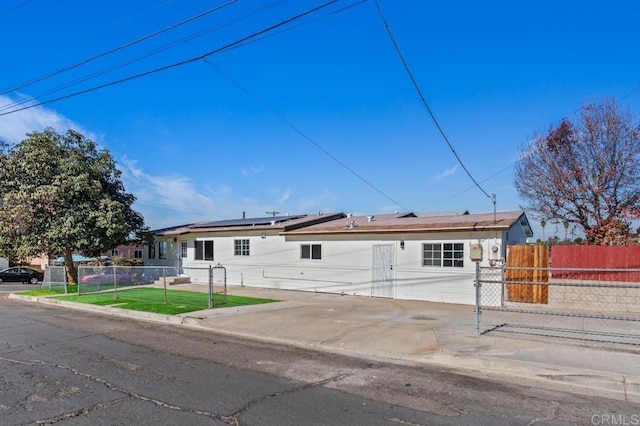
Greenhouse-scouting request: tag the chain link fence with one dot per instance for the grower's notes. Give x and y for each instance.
(92, 279)
(96, 279)
(590, 305)
(55, 278)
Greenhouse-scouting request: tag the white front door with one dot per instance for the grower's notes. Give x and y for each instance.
(382, 282)
(182, 256)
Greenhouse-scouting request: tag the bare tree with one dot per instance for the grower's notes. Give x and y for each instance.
(586, 173)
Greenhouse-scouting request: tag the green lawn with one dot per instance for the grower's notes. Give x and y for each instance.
(56, 290)
(152, 300)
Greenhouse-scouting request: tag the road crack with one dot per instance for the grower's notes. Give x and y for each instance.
(232, 419)
(128, 394)
(85, 410)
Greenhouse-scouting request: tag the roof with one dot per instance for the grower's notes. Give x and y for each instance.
(77, 258)
(502, 221)
(341, 223)
(268, 220)
(280, 223)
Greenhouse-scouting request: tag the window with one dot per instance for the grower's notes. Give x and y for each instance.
(311, 251)
(450, 255)
(162, 250)
(183, 249)
(241, 247)
(137, 254)
(152, 251)
(204, 250)
(115, 252)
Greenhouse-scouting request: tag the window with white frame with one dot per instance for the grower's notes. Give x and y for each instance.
(137, 254)
(162, 249)
(241, 247)
(311, 251)
(183, 249)
(448, 255)
(152, 251)
(115, 252)
(204, 250)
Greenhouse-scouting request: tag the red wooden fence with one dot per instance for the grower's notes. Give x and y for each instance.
(594, 260)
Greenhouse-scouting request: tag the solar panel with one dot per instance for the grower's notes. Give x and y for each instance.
(245, 222)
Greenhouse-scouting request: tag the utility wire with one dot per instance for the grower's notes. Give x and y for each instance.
(48, 5)
(24, 3)
(473, 186)
(123, 46)
(122, 21)
(146, 55)
(176, 64)
(305, 136)
(415, 85)
(292, 27)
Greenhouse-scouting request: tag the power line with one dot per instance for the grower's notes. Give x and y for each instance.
(147, 55)
(129, 18)
(424, 101)
(292, 27)
(24, 3)
(48, 5)
(473, 186)
(307, 137)
(176, 64)
(121, 47)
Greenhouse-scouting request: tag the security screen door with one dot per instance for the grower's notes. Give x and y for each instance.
(382, 284)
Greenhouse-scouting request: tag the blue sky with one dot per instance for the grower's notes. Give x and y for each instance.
(211, 139)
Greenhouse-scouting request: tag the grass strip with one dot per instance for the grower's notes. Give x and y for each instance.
(152, 300)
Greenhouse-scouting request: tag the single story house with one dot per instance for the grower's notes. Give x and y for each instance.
(402, 255)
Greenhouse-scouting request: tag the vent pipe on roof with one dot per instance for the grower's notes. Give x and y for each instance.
(244, 215)
(495, 218)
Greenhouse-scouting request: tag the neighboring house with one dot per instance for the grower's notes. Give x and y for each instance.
(4, 262)
(405, 256)
(130, 251)
(126, 251)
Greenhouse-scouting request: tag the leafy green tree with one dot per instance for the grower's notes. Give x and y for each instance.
(59, 193)
(586, 172)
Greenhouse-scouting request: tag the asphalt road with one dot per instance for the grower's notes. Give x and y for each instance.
(10, 287)
(59, 366)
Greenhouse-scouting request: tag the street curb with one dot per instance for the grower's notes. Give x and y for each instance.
(578, 381)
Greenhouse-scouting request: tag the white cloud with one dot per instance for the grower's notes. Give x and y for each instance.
(284, 197)
(314, 204)
(251, 170)
(170, 200)
(446, 173)
(15, 126)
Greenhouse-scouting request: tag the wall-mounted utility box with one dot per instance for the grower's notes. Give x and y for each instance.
(475, 252)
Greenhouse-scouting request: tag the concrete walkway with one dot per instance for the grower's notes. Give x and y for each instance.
(411, 332)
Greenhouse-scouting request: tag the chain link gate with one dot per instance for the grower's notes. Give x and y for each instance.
(212, 293)
(589, 305)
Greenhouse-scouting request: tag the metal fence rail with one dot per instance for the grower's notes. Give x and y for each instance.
(589, 305)
(92, 279)
(55, 278)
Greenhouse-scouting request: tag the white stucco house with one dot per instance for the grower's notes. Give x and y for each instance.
(402, 255)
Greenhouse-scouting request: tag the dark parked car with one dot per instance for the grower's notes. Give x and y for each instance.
(21, 274)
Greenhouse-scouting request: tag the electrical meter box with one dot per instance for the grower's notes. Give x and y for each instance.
(475, 252)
